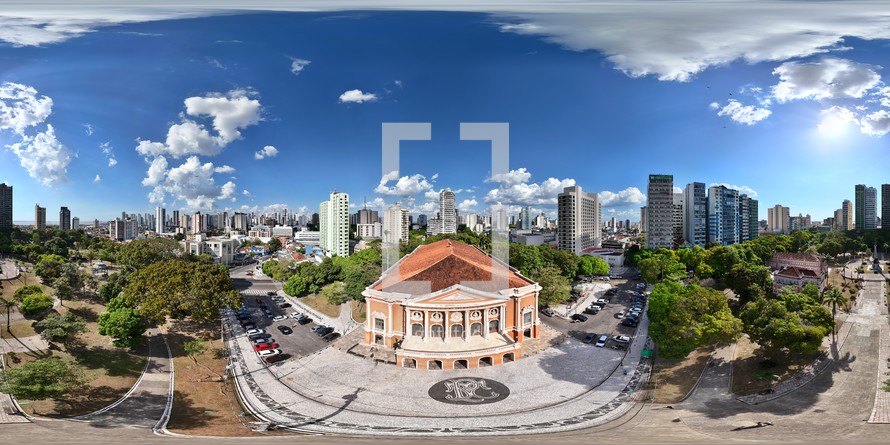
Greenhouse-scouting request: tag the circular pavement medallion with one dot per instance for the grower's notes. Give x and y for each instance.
(469, 391)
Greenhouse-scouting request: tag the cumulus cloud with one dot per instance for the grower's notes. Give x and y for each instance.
(21, 107)
(156, 172)
(628, 196)
(467, 205)
(404, 186)
(245, 193)
(267, 152)
(357, 96)
(298, 65)
(88, 129)
(108, 151)
(191, 182)
(743, 114)
(112, 162)
(876, 124)
(230, 113)
(45, 158)
(97, 179)
(836, 118)
(743, 189)
(828, 78)
(515, 189)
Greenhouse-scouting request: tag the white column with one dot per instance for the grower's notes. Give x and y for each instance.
(466, 324)
(485, 323)
(445, 324)
(426, 324)
(502, 319)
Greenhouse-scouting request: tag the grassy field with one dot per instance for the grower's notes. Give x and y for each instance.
(320, 304)
(673, 379)
(110, 371)
(836, 281)
(358, 311)
(753, 369)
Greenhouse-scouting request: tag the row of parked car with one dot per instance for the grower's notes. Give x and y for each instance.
(262, 341)
(621, 340)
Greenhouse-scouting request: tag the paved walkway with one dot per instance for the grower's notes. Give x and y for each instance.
(8, 270)
(342, 324)
(332, 392)
(715, 380)
(23, 344)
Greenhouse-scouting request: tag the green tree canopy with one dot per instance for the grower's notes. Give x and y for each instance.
(49, 267)
(194, 348)
(683, 318)
(141, 252)
(749, 281)
(274, 245)
(113, 287)
(123, 325)
(35, 303)
(60, 328)
(45, 378)
(793, 320)
(178, 289)
(555, 288)
(29, 289)
(335, 293)
(591, 265)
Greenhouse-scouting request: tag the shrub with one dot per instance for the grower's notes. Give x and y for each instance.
(24, 291)
(36, 303)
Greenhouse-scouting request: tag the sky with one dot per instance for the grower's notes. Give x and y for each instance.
(265, 105)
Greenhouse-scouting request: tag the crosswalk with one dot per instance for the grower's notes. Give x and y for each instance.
(254, 292)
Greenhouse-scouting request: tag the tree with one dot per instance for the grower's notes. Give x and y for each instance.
(683, 318)
(793, 321)
(62, 290)
(274, 244)
(555, 288)
(141, 252)
(179, 237)
(26, 290)
(335, 293)
(591, 265)
(35, 303)
(9, 304)
(661, 267)
(179, 289)
(123, 325)
(60, 328)
(749, 281)
(195, 347)
(525, 258)
(43, 379)
(113, 287)
(49, 267)
(834, 298)
(566, 262)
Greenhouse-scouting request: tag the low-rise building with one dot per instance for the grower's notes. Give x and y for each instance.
(222, 250)
(797, 277)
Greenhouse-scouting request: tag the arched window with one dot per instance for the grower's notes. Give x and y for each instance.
(437, 331)
(457, 330)
(417, 330)
(494, 326)
(476, 329)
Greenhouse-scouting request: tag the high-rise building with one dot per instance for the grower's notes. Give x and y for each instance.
(695, 222)
(368, 216)
(859, 219)
(579, 219)
(447, 212)
(801, 222)
(660, 212)
(422, 220)
(723, 215)
(75, 223)
(64, 218)
(160, 219)
(679, 204)
(870, 209)
(5, 206)
(885, 206)
(778, 219)
(644, 219)
(175, 219)
(525, 218)
(39, 217)
(847, 215)
(748, 224)
(395, 224)
(334, 224)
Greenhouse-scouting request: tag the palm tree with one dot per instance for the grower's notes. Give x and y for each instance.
(9, 305)
(834, 298)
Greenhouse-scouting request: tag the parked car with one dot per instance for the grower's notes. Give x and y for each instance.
(272, 293)
(592, 310)
(304, 320)
(249, 274)
(295, 315)
(260, 341)
(284, 305)
(589, 337)
(546, 311)
(269, 352)
(331, 337)
(579, 318)
(248, 326)
(255, 331)
(324, 331)
(316, 328)
(264, 346)
(274, 358)
(284, 329)
(621, 339)
(279, 317)
(630, 322)
(269, 313)
(612, 291)
(619, 315)
(259, 335)
(602, 341)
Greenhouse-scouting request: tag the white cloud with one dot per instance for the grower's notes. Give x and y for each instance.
(467, 205)
(398, 83)
(515, 189)
(245, 193)
(21, 107)
(828, 78)
(743, 189)
(512, 177)
(677, 190)
(215, 63)
(876, 124)
(112, 162)
(357, 96)
(405, 186)
(267, 152)
(108, 150)
(836, 119)
(156, 172)
(628, 196)
(191, 182)
(88, 129)
(298, 65)
(97, 179)
(230, 113)
(743, 114)
(45, 158)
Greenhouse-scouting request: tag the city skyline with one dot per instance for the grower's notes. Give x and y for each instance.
(272, 110)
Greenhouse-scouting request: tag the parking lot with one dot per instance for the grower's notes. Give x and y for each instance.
(605, 322)
(299, 343)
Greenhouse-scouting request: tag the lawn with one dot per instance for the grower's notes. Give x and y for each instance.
(836, 281)
(320, 303)
(204, 404)
(17, 329)
(752, 368)
(358, 311)
(673, 379)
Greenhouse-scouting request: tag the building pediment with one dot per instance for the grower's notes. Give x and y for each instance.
(458, 296)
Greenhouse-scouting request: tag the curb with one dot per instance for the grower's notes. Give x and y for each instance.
(125, 396)
(161, 426)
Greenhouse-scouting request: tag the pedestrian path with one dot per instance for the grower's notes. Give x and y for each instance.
(23, 345)
(881, 411)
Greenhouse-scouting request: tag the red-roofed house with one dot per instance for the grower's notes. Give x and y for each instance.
(448, 305)
(794, 276)
(782, 260)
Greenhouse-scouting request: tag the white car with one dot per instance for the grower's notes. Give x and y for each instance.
(260, 341)
(255, 331)
(269, 352)
(621, 339)
(620, 314)
(295, 315)
(602, 341)
(279, 317)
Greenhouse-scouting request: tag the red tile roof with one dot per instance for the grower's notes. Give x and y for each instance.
(446, 263)
(797, 273)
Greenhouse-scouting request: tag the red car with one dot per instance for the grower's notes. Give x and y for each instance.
(265, 346)
(249, 274)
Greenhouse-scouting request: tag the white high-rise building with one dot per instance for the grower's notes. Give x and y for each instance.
(75, 223)
(579, 220)
(160, 219)
(395, 224)
(370, 231)
(695, 221)
(447, 212)
(334, 224)
(660, 212)
(679, 205)
(778, 219)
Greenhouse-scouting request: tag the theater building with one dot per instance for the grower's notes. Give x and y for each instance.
(448, 305)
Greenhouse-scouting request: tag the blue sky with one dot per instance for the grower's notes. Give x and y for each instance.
(175, 107)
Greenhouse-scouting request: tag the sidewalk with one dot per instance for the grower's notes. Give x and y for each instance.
(342, 324)
(596, 291)
(23, 345)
